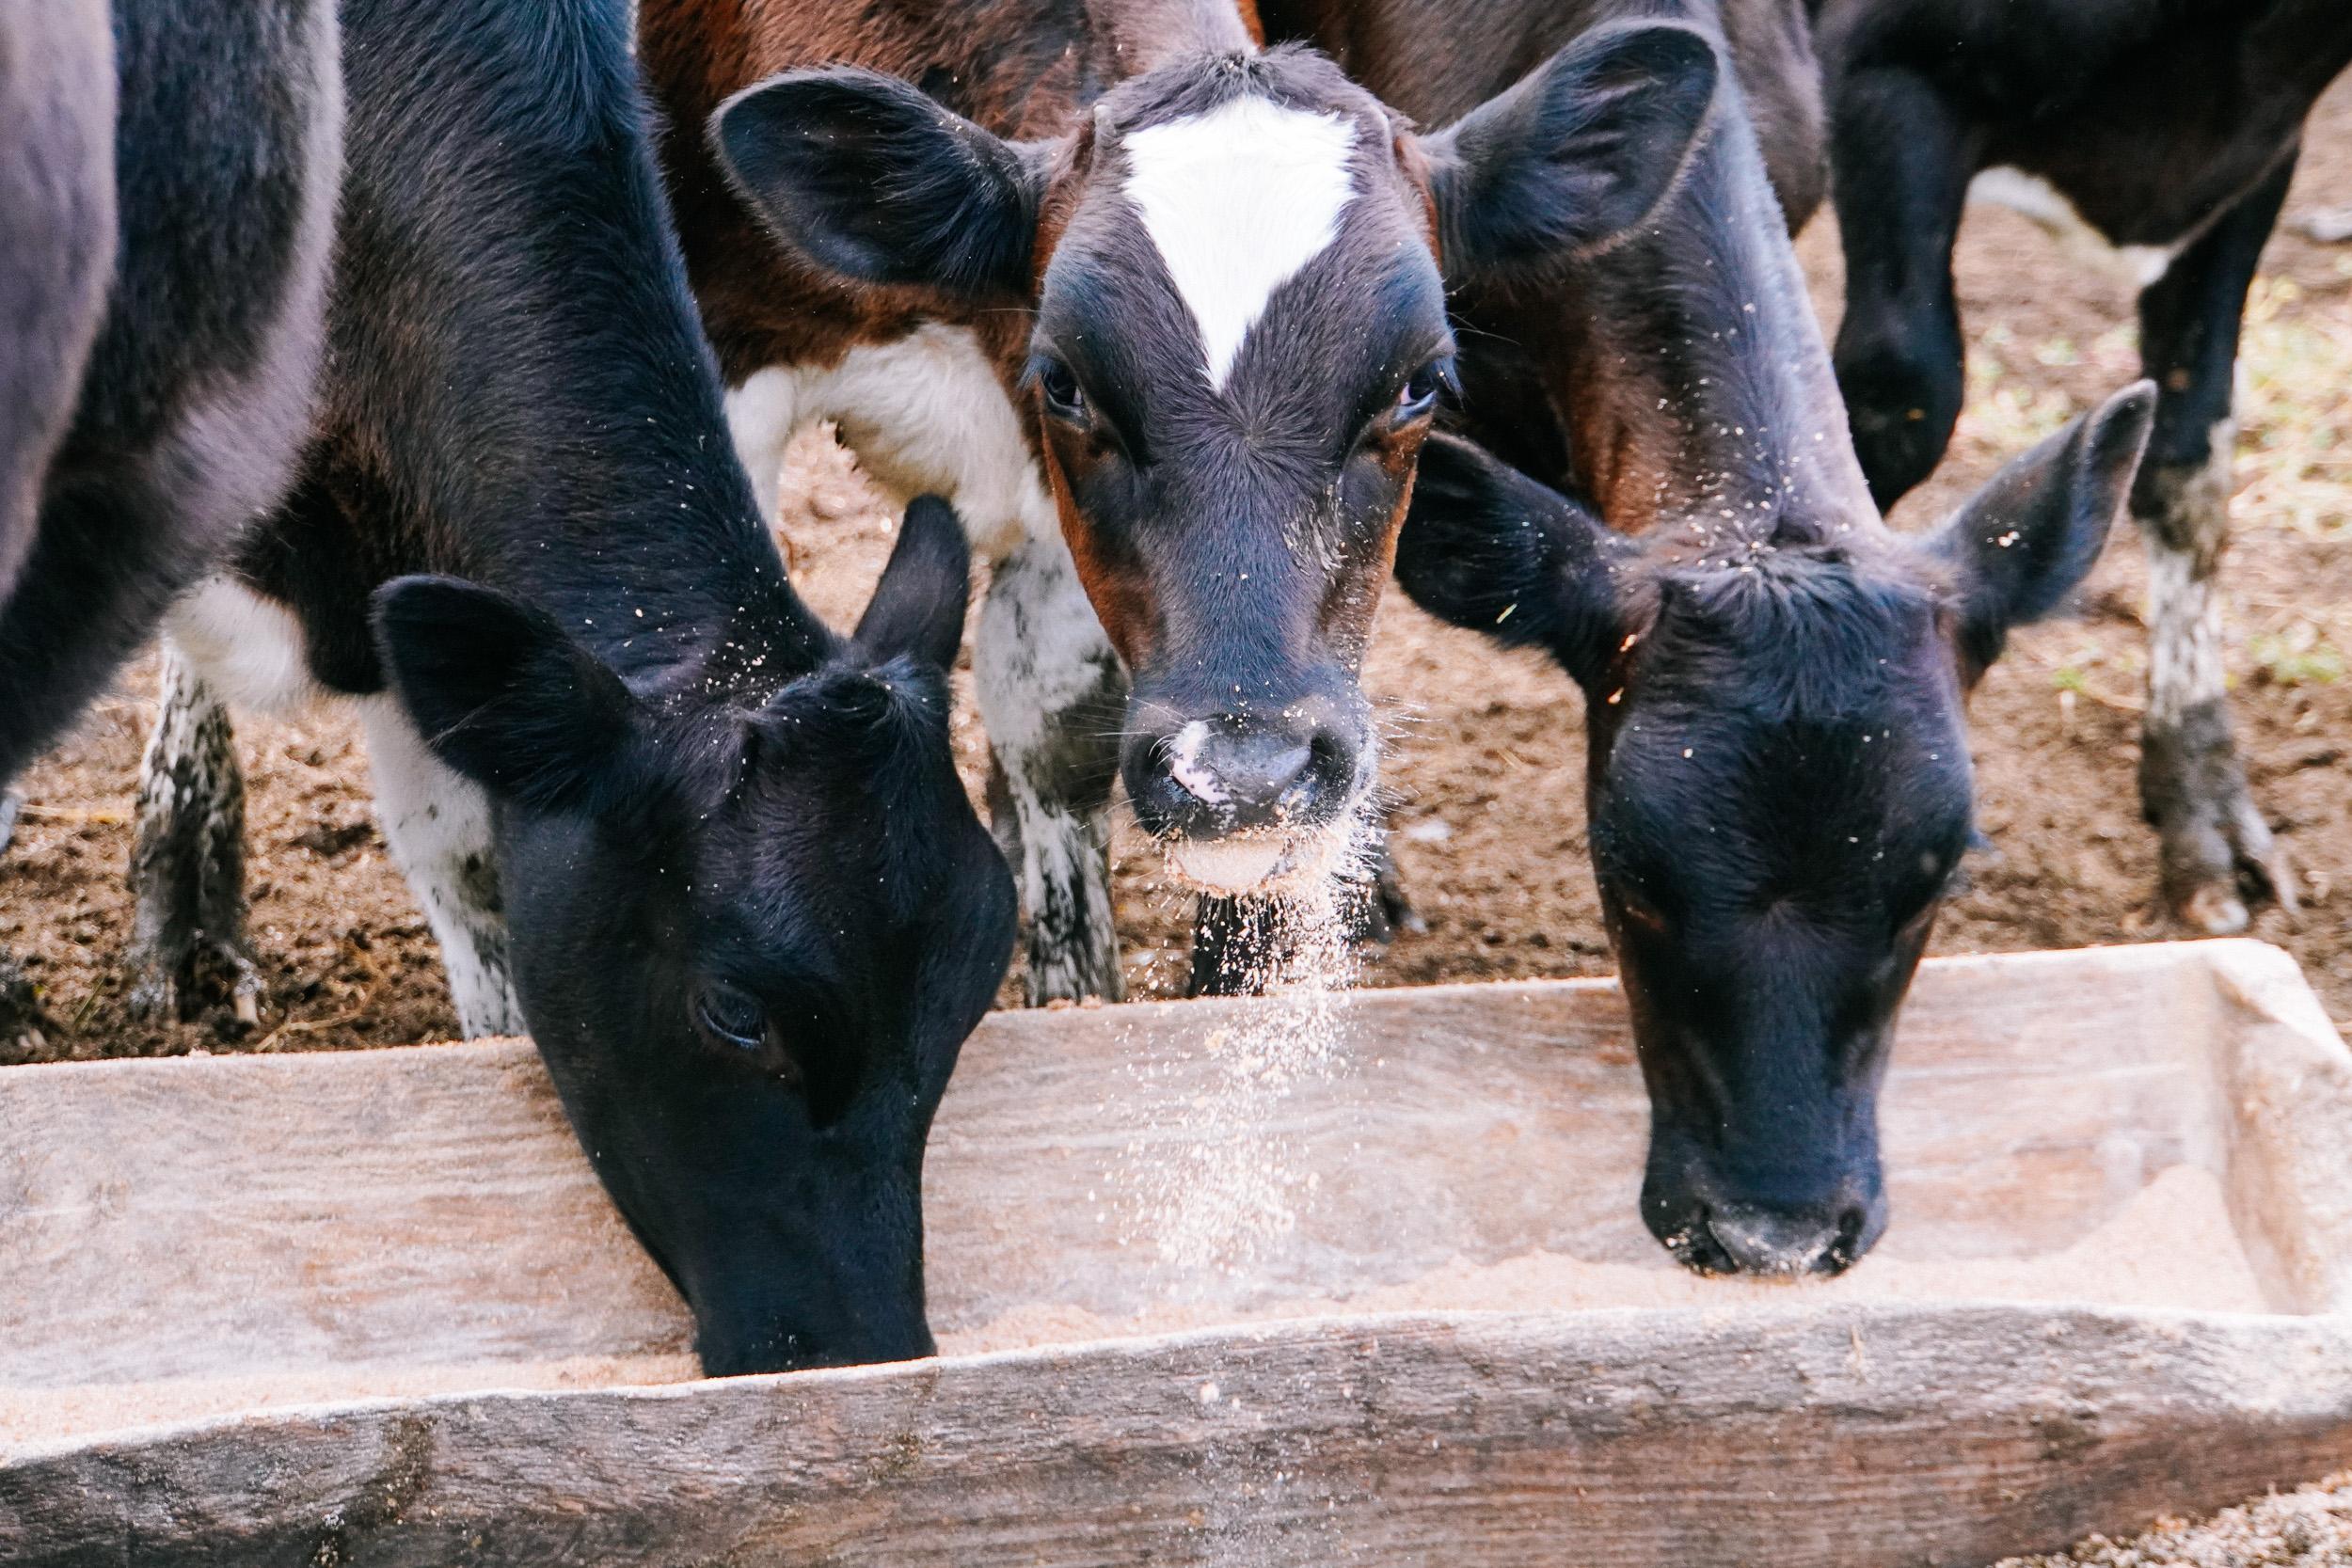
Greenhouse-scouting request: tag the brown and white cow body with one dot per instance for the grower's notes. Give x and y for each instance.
(1164, 314)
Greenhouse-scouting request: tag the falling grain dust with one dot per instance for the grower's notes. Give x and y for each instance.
(1232, 1183)
(1223, 1192)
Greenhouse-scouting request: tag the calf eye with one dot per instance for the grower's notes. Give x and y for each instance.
(1059, 385)
(1641, 912)
(1421, 392)
(731, 1019)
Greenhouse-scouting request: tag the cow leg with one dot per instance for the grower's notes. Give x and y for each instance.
(20, 1004)
(1235, 946)
(187, 856)
(1052, 693)
(436, 824)
(1903, 162)
(1386, 908)
(2216, 847)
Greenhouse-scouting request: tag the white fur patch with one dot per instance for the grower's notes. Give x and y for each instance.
(762, 414)
(1183, 765)
(1239, 201)
(2035, 197)
(248, 649)
(2184, 632)
(924, 413)
(436, 823)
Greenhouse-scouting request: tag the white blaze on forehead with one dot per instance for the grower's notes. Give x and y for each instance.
(1239, 201)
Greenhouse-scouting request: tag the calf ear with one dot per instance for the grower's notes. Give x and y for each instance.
(869, 177)
(1578, 152)
(917, 607)
(1488, 548)
(2019, 545)
(502, 695)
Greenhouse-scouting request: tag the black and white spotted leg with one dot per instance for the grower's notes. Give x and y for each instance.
(2215, 848)
(187, 857)
(1052, 693)
(436, 824)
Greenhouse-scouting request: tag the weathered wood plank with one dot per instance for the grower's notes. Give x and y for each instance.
(1857, 1438)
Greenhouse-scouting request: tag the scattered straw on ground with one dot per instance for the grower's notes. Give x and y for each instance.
(2307, 1529)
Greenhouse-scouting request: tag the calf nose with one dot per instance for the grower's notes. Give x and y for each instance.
(1248, 775)
(1772, 1242)
(1209, 778)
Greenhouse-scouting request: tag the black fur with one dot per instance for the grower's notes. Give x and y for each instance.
(922, 611)
(506, 698)
(878, 182)
(1493, 550)
(2036, 529)
(57, 185)
(1578, 152)
(2172, 123)
(2159, 119)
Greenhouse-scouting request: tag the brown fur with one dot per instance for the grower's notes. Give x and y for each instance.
(1438, 59)
(1015, 67)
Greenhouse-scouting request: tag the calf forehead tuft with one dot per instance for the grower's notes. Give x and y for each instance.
(1238, 199)
(1798, 634)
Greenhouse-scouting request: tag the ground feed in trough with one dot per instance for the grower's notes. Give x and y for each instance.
(2114, 1287)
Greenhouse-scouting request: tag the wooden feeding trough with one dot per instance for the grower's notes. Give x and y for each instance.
(371, 1308)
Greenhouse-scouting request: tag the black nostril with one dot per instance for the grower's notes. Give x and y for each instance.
(1331, 762)
(1283, 768)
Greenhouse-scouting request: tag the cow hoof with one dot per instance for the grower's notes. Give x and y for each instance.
(153, 997)
(2215, 911)
(20, 1003)
(2216, 868)
(159, 986)
(1380, 908)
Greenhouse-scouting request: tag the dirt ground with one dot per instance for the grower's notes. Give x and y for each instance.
(2310, 1528)
(1487, 761)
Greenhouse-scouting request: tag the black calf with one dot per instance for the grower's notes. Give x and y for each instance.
(2167, 126)
(1779, 775)
(715, 857)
